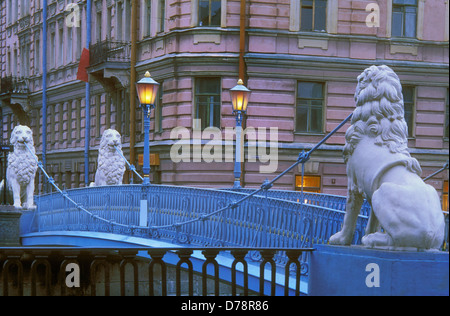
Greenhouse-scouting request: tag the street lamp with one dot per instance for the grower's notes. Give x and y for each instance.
(147, 89)
(239, 99)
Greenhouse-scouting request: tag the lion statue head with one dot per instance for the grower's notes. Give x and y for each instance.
(111, 165)
(22, 135)
(380, 114)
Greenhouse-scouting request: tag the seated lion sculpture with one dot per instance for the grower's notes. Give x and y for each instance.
(380, 169)
(21, 168)
(111, 166)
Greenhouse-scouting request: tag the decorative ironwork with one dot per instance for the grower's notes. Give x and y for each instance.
(10, 84)
(109, 51)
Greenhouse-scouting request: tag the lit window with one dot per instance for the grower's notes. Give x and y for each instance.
(310, 183)
(445, 197)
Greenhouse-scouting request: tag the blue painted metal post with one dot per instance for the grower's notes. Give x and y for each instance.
(238, 152)
(88, 100)
(44, 84)
(146, 167)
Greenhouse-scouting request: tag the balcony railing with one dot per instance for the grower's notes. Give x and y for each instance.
(108, 50)
(10, 84)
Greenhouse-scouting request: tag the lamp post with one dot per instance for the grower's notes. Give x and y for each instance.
(239, 99)
(147, 88)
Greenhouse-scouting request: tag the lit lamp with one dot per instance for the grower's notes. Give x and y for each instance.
(239, 99)
(147, 89)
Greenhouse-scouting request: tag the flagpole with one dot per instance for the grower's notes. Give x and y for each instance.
(88, 101)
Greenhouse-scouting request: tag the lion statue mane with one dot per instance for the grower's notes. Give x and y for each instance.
(111, 166)
(406, 212)
(21, 168)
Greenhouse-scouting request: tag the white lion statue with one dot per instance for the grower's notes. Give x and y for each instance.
(21, 168)
(111, 166)
(380, 169)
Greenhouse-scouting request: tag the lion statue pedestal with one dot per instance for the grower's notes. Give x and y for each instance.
(360, 271)
(9, 226)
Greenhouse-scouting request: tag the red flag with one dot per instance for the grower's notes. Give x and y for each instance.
(84, 63)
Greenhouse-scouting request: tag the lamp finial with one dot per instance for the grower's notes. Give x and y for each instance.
(147, 74)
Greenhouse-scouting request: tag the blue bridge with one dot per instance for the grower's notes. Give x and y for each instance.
(247, 226)
(249, 241)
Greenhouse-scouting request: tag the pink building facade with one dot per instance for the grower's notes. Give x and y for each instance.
(300, 58)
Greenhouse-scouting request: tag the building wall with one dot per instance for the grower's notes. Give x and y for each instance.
(278, 55)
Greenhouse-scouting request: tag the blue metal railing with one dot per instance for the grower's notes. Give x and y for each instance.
(335, 202)
(257, 222)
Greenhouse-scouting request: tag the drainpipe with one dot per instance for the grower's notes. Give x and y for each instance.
(134, 12)
(242, 76)
(242, 42)
(88, 101)
(44, 84)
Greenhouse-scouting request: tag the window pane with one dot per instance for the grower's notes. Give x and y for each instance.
(316, 120)
(203, 114)
(209, 12)
(216, 116)
(203, 12)
(208, 86)
(408, 94)
(320, 15)
(397, 22)
(309, 107)
(316, 103)
(162, 15)
(409, 117)
(305, 89)
(409, 2)
(208, 101)
(310, 90)
(215, 12)
(408, 100)
(148, 17)
(410, 22)
(302, 119)
(306, 19)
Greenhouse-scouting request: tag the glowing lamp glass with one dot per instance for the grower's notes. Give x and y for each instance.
(147, 89)
(239, 97)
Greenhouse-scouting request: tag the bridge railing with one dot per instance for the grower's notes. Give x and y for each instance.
(335, 202)
(256, 222)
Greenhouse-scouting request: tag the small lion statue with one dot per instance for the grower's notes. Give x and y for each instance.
(21, 168)
(111, 166)
(380, 169)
